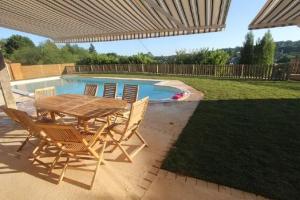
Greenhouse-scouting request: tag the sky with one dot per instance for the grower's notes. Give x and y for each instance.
(240, 15)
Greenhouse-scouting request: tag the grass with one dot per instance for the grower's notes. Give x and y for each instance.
(244, 134)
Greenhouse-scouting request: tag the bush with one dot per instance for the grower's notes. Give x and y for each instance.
(203, 56)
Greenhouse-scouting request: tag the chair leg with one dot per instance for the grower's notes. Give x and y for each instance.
(137, 151)
(125, 152)
(114, 148)
(113, 141)
(141, 138)
(54, 162)
(101, 153)
(23, 144)
(37, 150)
(63, 171)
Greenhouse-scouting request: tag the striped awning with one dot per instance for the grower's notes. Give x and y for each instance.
(107, 20)
(276, 13)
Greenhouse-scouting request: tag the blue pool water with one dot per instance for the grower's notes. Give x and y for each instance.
(75, 85)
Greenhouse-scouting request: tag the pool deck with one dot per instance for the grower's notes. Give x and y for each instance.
(117, 179)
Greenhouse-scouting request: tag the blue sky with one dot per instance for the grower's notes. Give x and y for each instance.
(241, 13)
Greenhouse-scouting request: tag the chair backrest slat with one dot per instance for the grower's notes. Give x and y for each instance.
(44, 92)
(130, 93)
(91, 89)
(66, 134)
(25, 121)
(137, 113)
(61, 133)
(110, 90)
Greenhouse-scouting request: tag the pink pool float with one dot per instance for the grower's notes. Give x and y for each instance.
(178, 96)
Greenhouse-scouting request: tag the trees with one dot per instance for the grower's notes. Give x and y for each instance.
(202, 56)
(45, 53)
(141, 58)
(48, 52)
(98, 59)
(27, 55)
(2, 44)
(2, 47)
(247, 51)
(16, 42)
(51, 54)
(218, 57)
(92, 48)
(112, 58)
(262, 53)
(266, 48)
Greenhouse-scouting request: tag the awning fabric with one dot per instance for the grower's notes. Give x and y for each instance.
(276, 13)
(108, 20)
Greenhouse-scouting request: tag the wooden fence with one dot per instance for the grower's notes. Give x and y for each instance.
(20, 72)
(262, 72)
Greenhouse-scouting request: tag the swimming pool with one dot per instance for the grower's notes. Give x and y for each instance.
(75, 85)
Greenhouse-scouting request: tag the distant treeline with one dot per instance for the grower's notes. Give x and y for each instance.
(21, 49)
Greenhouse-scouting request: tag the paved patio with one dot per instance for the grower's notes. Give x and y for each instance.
(117, 179)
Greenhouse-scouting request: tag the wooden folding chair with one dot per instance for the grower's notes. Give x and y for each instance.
(24, 120)
(72, 144)
(110, 90)
(130, 93)
(90, 89)
(41, 93)
(123, 131)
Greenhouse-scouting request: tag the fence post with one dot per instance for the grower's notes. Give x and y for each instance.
(142, 67)
(215, 70)
(92, 68)
(128, 68)
(242, 72)
(156, 68)
(193, 72)
(289, 71)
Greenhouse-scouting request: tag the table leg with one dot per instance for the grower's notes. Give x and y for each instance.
(52, 114)
(108, 120)
(85, 125)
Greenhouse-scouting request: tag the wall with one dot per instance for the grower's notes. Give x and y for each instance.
(20, 72)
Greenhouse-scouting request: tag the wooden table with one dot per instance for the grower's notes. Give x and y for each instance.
(80, 106)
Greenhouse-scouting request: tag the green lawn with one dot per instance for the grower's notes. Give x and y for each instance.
(244, 134)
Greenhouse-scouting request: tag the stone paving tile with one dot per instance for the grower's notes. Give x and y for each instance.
(168, 185)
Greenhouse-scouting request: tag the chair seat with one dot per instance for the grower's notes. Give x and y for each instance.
(118, 128)
(74, 147)
(124, 113)
(87, 135)
(119, 125)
